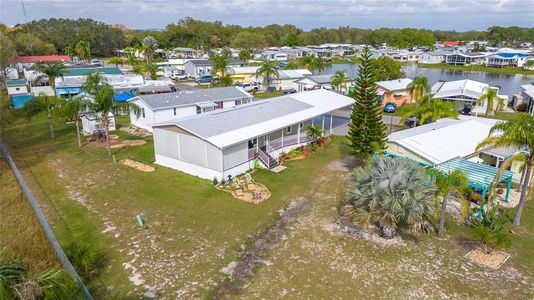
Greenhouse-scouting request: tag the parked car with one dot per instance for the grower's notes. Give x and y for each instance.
(249, 87)
(411, 122)
(290, 91)
(467, 111)
(390, 107)
(179, 76)
(204, 79)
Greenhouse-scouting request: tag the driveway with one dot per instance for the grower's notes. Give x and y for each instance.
(340, 123)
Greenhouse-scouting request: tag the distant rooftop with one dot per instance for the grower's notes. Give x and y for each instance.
(181, 98)
(43, 58)
(394, 85)
(90, 70)
(15, 82)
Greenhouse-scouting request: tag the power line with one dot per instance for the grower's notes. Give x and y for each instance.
(27, 26)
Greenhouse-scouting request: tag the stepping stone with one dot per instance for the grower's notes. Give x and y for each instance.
(278, 169)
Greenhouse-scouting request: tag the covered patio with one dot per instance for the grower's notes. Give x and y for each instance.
(480, 176)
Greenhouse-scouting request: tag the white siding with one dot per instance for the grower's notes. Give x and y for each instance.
(235, 155)
(192, 150)
(166, 143)
(139, 120)
(213, 157)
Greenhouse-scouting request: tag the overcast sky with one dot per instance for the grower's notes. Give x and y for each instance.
(460, 15)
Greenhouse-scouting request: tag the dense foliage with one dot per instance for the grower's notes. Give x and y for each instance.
(366, 129)
(390, 191)
(49, 36)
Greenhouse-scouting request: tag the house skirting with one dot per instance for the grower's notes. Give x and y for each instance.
(202, 172)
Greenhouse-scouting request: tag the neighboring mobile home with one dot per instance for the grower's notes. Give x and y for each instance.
(314, 82)
(394, 91)
(227, 142)
(157, 108)
(466, 92)
(442, 141)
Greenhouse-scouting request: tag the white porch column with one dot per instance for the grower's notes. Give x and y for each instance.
(298, 135)
(282, 138)
(322, 124)
(331, 121)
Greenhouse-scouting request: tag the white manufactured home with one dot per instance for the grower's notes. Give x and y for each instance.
(157, 108)
(227, 142)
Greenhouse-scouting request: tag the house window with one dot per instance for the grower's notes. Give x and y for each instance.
(143, 112)
(301, 125)
(17, 89)
(237, 102)
(252, 143)
(199, 110)
(174, 111)
(220, 104)
(288, 130)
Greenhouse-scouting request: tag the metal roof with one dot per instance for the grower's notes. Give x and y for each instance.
(42, 58)
(320, 79)
(465, 87)
(221, 121)
(181, 98)
(394, 85)
(227, 127)
(480, 174)
(15, 82)
(87, 71)
(444, 140)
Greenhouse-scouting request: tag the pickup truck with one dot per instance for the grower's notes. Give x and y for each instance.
(249, 87)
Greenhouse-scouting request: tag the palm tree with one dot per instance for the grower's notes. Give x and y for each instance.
(70, 51)
(152, 69)
(244, 55)
(339, 80)
(430, 110)
(314, 133)
(43, 103)
(453, 182)
(52, 71)
(116, 61)
(103, 105)
(312, 63)
(149, 47)
(72, 111)
(93, 82)
(220, 64)
(418, 88)
(490, 97)
(517, 133)
(83, 50)
(266, 70)
(388, 191)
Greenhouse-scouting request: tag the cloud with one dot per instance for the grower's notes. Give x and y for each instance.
(433, 14)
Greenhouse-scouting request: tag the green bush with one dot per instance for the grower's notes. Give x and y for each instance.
(522, 107)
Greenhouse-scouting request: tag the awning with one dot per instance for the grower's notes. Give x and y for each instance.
(380, 93)
(206, 104)
(479, 175)
(123, 97)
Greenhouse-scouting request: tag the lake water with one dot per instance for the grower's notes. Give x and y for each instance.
(509, 83)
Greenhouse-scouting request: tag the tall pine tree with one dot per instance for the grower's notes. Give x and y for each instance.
(367, 132)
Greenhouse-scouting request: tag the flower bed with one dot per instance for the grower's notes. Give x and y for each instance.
(244, 188)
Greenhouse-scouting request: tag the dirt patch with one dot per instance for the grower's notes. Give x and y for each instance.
(116, 143)
(342, 227)
(495, 259)
(344, 165)
(137, 165)
(249, 258)
(136, 131)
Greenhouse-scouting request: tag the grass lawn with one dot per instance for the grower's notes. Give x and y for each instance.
(265, 95)
(193, 231)
(21, 234)
(478, 69)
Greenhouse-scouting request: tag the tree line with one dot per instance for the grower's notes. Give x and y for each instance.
(49, 36)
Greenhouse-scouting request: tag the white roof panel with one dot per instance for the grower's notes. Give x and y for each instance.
(394, 85)
(260, 117)
(446, 139)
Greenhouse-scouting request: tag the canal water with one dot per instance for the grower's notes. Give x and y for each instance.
(509, 83)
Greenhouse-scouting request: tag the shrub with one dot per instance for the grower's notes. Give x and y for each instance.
(489, 229)
(522, 107)
(391, 190)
